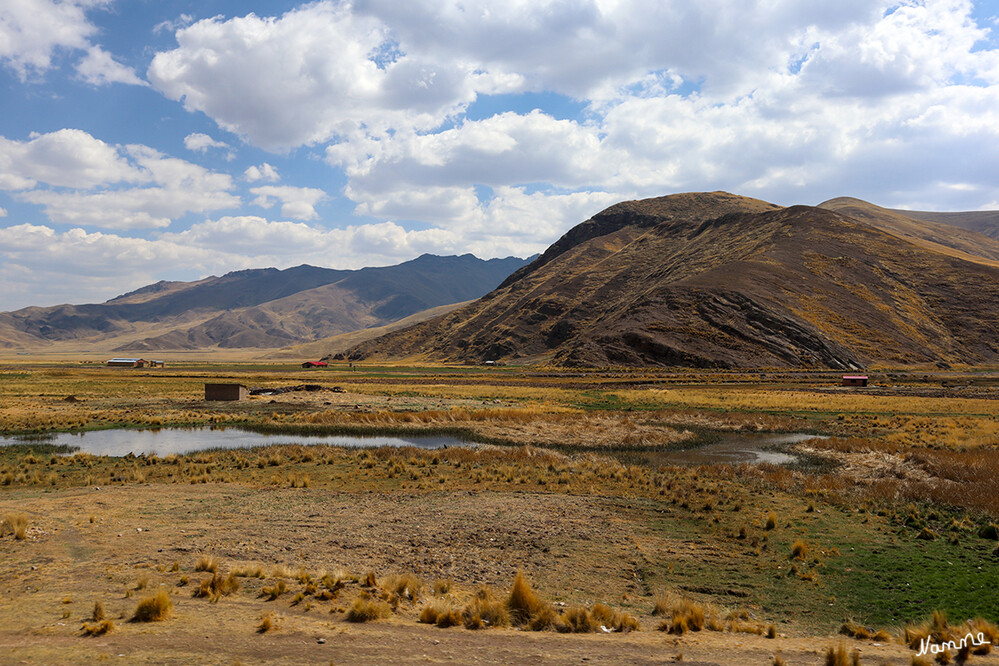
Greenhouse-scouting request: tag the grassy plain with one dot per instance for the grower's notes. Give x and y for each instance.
(266, 555)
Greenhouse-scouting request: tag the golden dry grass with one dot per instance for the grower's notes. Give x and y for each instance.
(484, 611)
(441, 612)
(839, 655)
(545, 425)
(98, 628)
(524, 605)
(153, 609)
(267, 623)
(860, 632)
(16, 524)
(682, 614)
(938, 631)
(404, 586)
(367, 609)
(207, 563)
(217, 586)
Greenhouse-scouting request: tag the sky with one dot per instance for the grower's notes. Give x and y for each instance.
(147, 140)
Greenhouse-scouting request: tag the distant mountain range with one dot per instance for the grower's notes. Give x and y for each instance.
(718, 280)
(263, 308)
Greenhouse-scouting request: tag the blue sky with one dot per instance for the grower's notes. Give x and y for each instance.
(150, 140)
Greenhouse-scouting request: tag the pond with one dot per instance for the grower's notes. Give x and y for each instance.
(730, 448)
(164, 441)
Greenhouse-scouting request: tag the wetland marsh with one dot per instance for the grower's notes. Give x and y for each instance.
(895, 527)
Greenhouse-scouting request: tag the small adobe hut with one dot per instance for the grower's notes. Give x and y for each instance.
(215, 392)
(127, 363)
(854, 380)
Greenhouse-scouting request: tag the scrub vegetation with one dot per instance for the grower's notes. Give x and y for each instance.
(552, 523)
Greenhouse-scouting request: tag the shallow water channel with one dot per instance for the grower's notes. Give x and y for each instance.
(164, 441)
(730, 448)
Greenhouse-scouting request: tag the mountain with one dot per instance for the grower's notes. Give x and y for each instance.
(983, 221)
(257, 308)
(954, 237)
(718, 280)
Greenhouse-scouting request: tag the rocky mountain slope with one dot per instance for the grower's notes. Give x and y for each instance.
(257, 308)
(718, 280)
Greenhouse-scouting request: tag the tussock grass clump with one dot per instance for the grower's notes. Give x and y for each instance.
(577, 620)
(839, 656)
(429, 613)
(267, 623)
(938, 630)
(441, 613)
(525, 607)
(771, 520)
(16, 524)
(661, 602)
(367, 609)
(154, 608)
(404, 586)
(854, 630)
(683, 615)
(442, 586)
(484, 610)
(281, 571)
(522, 602)
(274, 591)
(249, 571)
(608, 619)
(207, 563)
(98, 613)
(370, 580)
(799, 550)
(217, 586)
(97, 628)
(546, 618)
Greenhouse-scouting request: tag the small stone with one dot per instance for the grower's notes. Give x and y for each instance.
(321, 641)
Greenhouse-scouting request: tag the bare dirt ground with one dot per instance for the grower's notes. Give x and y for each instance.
(576, 549)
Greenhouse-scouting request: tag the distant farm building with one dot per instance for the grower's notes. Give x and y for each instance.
(315, 364)
(854, 380)
(157, 364)
(128, 363)
(226, 392)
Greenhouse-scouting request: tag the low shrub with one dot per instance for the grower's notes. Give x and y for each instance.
(153, 609)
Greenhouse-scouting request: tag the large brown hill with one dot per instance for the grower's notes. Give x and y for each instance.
(718, 280)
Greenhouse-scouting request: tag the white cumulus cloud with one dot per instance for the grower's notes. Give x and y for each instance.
(305, 77)
(296, 202)
(99, 68)
(201, 143)
(31, 31)
(79, 179)
(261, 172)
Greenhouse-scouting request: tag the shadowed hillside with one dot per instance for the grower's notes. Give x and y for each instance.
(716, 280)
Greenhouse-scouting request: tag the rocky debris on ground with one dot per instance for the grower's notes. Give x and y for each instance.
(292, 389)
